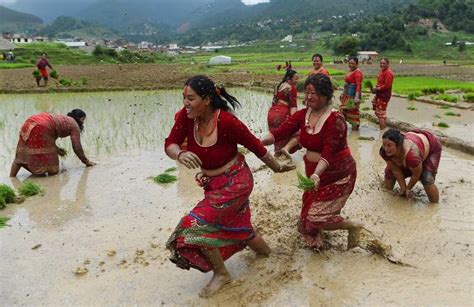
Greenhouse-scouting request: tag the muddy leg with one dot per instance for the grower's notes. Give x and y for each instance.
(354, 229)
(259, 246)
(432, 192)
(14, 169)
(389, 184)
(221, 276)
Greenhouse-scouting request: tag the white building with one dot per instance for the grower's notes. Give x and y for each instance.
(173, 46)
(220, 60)
(367, 55)
(288, 38)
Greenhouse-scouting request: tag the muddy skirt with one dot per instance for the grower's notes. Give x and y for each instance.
(221, 220)
(350, 110)
(36, 149)
(323, 207)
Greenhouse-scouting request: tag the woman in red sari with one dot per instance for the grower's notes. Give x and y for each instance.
(328, 162)
(37, 151)
(283, 106)
(415, 154)
(219, 225)
(318, 66)
(383, 92)
(350, 97)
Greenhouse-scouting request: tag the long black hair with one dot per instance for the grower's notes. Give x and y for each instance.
(322, 84)
(77, 114)
(290, 73)
(395, 136)
(205, 87)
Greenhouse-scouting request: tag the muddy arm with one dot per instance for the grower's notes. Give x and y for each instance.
(397, 172)
(415, 176)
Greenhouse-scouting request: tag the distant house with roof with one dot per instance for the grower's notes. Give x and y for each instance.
(365, 56)
(6, 44)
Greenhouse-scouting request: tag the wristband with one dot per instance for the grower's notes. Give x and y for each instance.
(315, 177)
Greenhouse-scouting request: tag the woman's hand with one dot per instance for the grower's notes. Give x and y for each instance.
(316, 180)
(286, 167)
(90, 163)
(189, 159)
(402, 192)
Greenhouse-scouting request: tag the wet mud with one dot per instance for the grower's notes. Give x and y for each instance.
(97, 235)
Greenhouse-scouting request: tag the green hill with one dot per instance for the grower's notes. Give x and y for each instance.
(71, 27)
(14, 21)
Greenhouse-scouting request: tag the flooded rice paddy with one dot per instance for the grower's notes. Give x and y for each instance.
(87, 214)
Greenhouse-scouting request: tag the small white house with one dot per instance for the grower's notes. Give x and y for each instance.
(367, 55)
(220, 60)
(288, 38)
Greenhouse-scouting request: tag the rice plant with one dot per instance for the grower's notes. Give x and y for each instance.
(54, 74)
(442, 125)
(243, 150)
(29, 188)
(65, 82)
(36, 74)
(411, 108)
(448, 98)
(3, 221)
(469, 97)
(304, 183)
(7, 195)
(445, 107)
(365, 109)
(368, 84)
(165, 178)
(452, 114)
(171, 169)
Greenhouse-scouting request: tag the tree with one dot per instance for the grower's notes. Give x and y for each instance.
(346, 45)
(462, 46)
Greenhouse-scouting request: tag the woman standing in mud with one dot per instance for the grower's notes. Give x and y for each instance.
(37, 151)
(352, 94)
(328, 162)
(383, 92)
(283, 106)
(42, 65)
(318, 66)
(219, 225)
(415, 154)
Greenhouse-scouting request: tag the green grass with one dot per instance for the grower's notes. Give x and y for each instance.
(29, 188)
(414, 95)
(14, 65)
(448, 98)
(452, 114)
(407, 85)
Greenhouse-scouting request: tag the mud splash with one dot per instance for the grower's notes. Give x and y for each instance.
(87, 213)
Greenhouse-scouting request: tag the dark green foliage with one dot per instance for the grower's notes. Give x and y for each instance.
(36, 74)
(346, 45)
(65, 82)
(469, 97)
(452, 114)
(29, 188)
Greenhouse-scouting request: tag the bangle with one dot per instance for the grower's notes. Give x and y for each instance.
(315, 177)
(179, 153)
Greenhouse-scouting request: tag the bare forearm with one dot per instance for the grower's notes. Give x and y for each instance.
(416, 174)
(321, 167)
(173, 151)
(271, 162)
(268, 139)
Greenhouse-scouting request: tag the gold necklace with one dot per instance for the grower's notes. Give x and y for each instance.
(318, 117)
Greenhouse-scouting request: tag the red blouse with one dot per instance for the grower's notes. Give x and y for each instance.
(322, 70)
(230, 132)
(331, 139)
(415, 153)
(355, 77)
(384, 84)
(289, 97)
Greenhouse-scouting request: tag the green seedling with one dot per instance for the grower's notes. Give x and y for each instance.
(29, 188)
(165, 178)
(304, 183)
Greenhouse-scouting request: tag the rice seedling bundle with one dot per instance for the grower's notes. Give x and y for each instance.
(411, 108)
(165, 178)
(29, 188)
(36, 74)
(7, 195)
(442, 125)
(304, 183)
(3, 221)
(368, 84)
(54, 74)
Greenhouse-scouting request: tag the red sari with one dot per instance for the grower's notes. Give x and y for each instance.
(352, 90)
(383, 93)
(279, 112)
(222, 219)
(37, 151)
(415, 156)
(323, 207)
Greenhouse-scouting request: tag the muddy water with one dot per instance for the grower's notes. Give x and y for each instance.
(85, 213)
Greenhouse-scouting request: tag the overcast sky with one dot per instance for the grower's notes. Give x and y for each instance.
(244, 1)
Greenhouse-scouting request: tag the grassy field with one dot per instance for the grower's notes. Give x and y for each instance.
(407, 85)
(14, 65)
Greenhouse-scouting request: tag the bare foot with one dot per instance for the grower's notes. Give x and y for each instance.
(259, 246)
(354, 236)
(217, 282)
